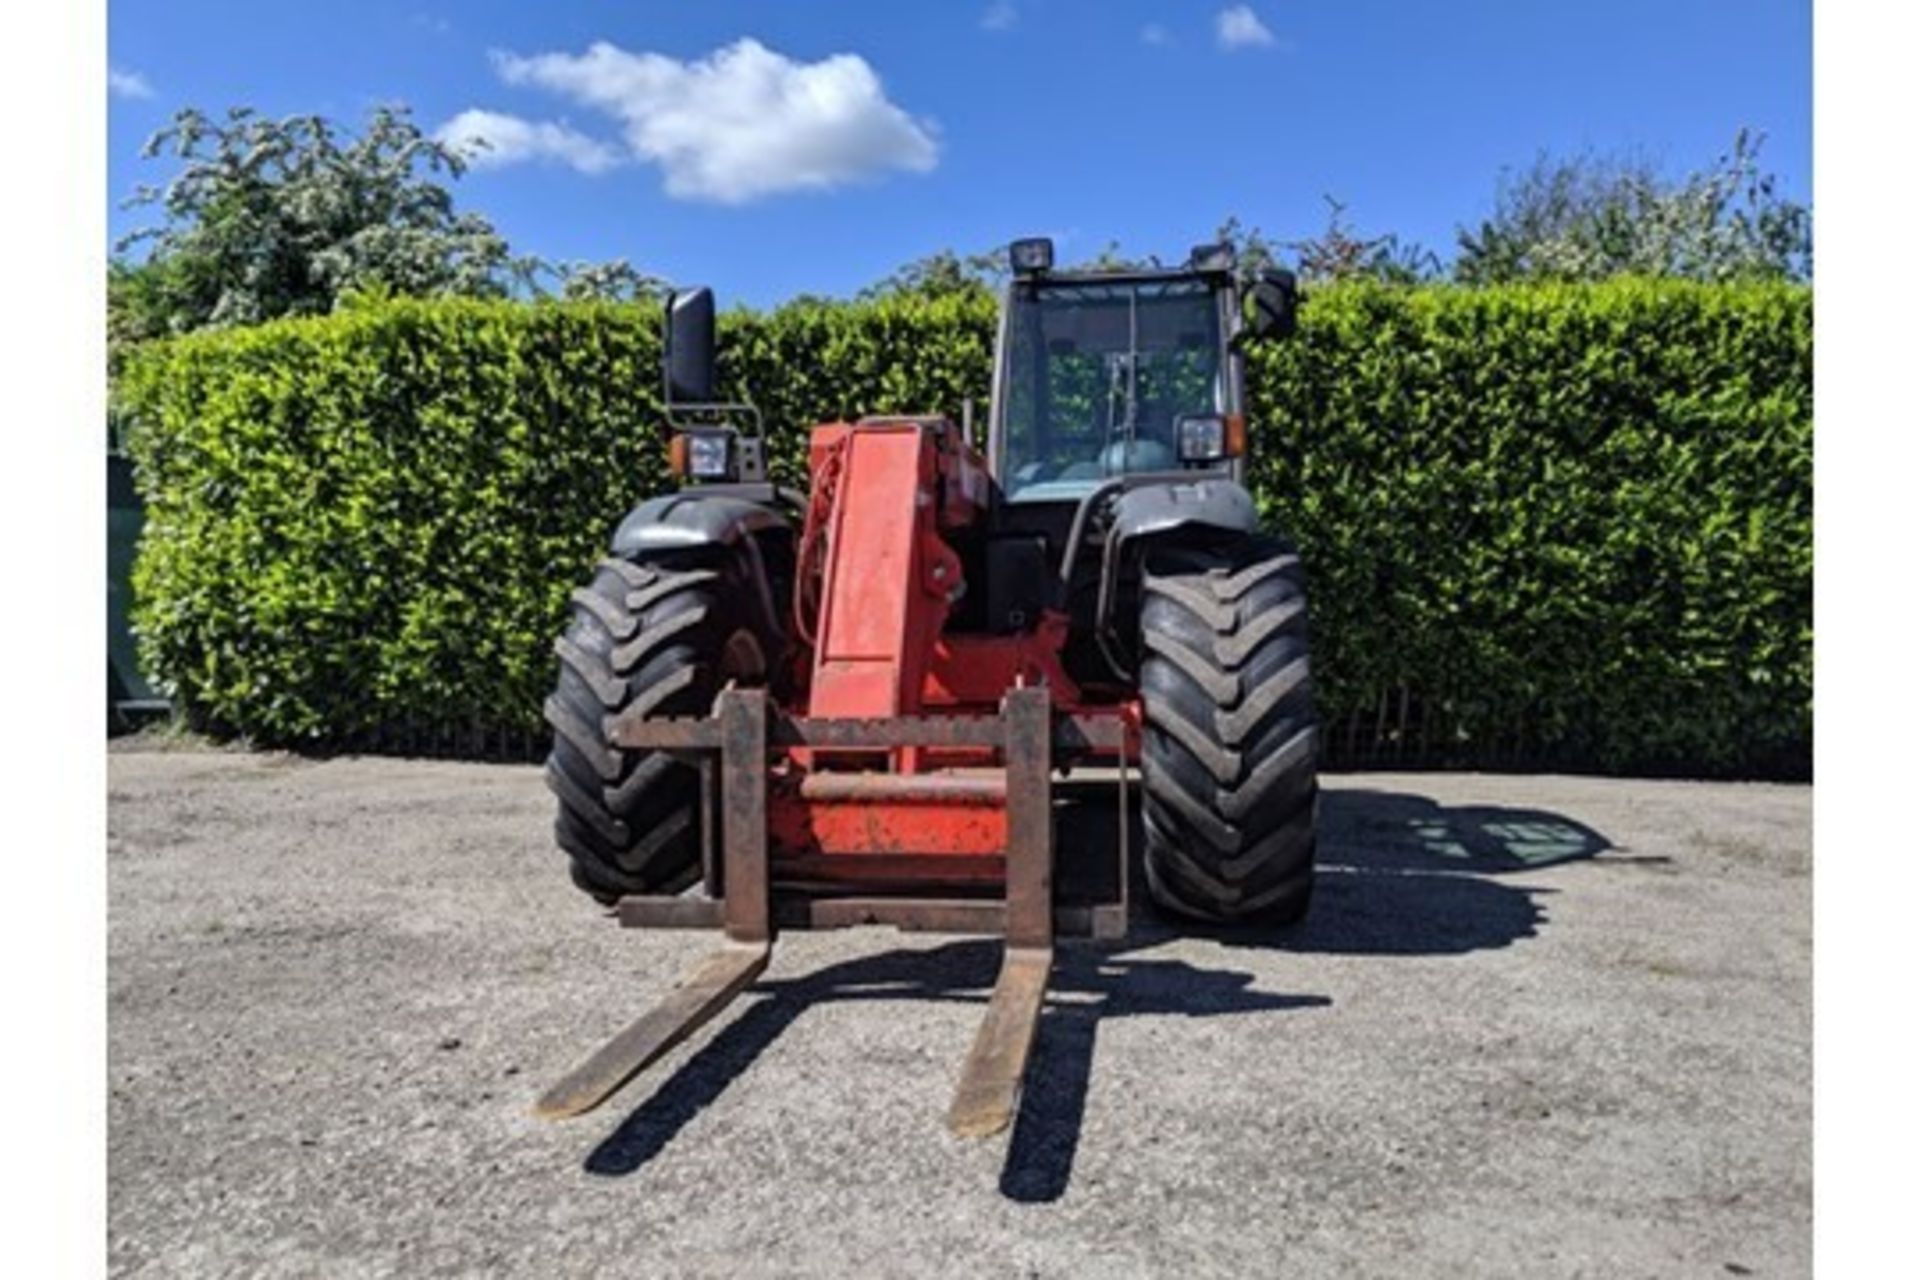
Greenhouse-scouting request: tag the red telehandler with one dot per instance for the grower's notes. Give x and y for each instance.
(783, 710)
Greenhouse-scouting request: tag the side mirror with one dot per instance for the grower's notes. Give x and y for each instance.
(1276, 305)
(689, 348)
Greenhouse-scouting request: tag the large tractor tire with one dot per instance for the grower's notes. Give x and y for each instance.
(660, 637)
(1229, 753)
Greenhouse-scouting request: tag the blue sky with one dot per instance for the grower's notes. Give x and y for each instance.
(850, 136)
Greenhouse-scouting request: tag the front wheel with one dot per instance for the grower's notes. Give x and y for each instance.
(1230, 746)
(653, 638)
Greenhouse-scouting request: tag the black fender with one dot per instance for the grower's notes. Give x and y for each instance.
(1212, 503)
(724, 524)
(1145, 512)
(690, 521)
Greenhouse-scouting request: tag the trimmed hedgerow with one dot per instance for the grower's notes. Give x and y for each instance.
(1565, 526)
(1554, 525)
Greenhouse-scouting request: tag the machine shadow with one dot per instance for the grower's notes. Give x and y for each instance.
(1089, 984)
(1395, 830)
(1092, 985)
(1401, 874)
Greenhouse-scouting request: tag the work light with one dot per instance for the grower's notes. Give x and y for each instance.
(1211, 257)
(1031, 257)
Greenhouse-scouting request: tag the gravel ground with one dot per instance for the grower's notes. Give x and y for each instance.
(1535, 1026)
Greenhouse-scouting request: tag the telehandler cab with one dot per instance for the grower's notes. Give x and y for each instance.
(847, 706)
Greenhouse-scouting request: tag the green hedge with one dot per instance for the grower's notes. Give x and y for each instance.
(1563, 526)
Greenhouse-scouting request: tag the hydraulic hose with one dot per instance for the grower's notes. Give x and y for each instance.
(1077, 532)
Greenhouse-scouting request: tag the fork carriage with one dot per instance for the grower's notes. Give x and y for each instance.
(748, 771)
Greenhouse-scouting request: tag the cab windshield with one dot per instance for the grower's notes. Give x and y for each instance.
(1097, 376)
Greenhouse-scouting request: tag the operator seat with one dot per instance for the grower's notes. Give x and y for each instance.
(1145, 454)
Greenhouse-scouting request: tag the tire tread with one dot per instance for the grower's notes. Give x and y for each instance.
(1230, 750)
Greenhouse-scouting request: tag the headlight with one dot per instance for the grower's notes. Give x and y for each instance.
(1203, 439)
(702, 455)
(1210, 437)
(707, 456)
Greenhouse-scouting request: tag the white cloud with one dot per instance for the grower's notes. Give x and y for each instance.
(1240, 28)
(1153, 33)
(742, 123)
(1000, 16)
(490, 139)
(127, 84)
